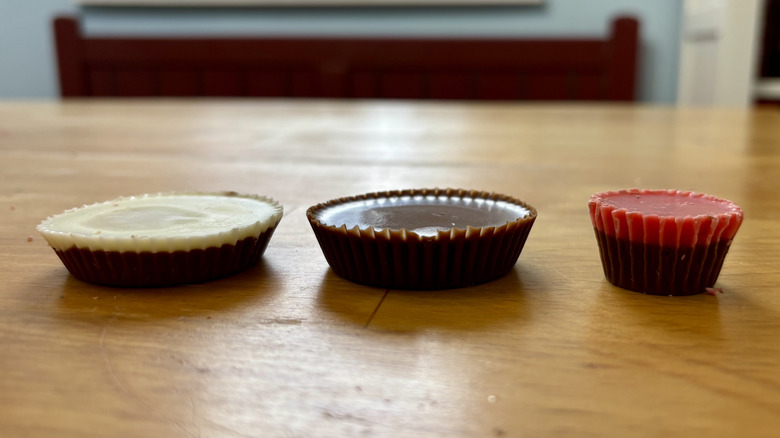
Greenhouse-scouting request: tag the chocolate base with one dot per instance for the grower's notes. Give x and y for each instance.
(158, 269)
(659, 270)
(393, 261)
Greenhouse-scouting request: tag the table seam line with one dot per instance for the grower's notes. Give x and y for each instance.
(376, 309)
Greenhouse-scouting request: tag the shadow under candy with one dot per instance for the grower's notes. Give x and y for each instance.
(79, 298)
(494, 303)
(681, 318)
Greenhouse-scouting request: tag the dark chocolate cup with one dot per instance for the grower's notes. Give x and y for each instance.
(661, 270)
(159, 269)
(402, 259)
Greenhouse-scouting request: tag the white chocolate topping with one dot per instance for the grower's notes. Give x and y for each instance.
(162, 222)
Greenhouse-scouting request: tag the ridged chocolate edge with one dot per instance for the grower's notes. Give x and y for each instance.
(159, 269)
(659, 270)
(401, 259)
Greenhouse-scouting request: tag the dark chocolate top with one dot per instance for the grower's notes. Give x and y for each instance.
(424, 215)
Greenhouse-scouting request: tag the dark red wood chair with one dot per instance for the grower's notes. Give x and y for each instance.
(350, 67)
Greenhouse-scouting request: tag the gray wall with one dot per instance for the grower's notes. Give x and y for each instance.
(27, 69)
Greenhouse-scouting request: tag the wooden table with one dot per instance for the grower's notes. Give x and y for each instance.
(290, 349)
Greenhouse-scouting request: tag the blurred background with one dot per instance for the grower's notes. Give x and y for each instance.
(690, 52)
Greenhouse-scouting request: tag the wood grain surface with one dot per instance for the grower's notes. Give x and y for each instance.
(290, 349)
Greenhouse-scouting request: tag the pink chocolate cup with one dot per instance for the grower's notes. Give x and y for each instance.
(663, 242)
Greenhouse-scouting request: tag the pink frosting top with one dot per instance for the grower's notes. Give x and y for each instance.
(665, 217)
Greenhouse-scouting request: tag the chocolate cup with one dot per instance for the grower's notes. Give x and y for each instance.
(158, 269)
(403, 259)
(674, 253)
(213, 246)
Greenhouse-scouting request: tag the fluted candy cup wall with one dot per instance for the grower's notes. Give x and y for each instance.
(402, 259)
(667, 253)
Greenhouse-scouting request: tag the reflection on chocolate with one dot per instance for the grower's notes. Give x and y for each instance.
(460, 238)
(659, 270)
(424, 215)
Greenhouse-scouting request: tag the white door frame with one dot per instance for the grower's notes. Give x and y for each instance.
(719, 52)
